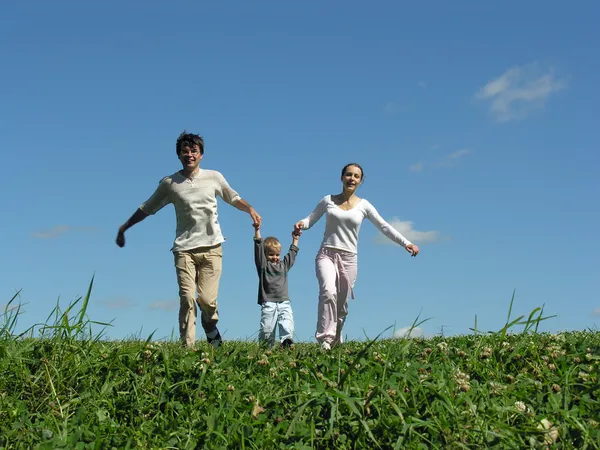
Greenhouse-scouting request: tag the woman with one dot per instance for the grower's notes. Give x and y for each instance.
(336, 261)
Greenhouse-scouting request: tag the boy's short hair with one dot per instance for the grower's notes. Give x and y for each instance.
(186, 139)
(272, 242)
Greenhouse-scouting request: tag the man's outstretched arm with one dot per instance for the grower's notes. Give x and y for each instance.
(137, 217)
(243, 205)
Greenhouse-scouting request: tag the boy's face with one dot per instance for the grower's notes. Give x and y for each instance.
(190, 157)
(272, 254)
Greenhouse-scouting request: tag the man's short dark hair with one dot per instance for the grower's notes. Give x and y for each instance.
(186, 139)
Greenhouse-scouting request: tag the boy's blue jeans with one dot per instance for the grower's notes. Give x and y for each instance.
(273, 314)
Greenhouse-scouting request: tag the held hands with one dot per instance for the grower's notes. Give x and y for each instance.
(256, 230)
(413, 249)
(255, 218)
(296, 236)
(298, 227)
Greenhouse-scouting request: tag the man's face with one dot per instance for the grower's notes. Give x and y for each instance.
(190, 157)
(273, 254)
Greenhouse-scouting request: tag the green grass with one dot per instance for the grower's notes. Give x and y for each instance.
(69, 388)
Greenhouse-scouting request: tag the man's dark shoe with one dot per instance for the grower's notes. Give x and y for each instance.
(214, 338)
(288, 343)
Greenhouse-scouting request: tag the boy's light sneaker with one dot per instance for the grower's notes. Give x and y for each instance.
(214, 338)
(325, 346)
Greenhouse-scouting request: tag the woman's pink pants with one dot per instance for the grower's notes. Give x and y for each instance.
(336, 273)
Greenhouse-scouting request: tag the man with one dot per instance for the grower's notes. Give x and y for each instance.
(197, 247)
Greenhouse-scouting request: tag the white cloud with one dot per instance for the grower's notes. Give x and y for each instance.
(596, 312)
(52, 232)
(406, 332)
(417, 167)
(459, 153)
(59, 230)
(444, 161)
(389, 108)
(452, 158)
(117, 303)
(407, 230)
(519, 91)
(169, 305)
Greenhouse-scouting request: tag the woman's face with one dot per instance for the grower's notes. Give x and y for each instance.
(352, 178)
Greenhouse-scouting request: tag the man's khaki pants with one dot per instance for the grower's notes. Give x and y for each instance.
(198, 270)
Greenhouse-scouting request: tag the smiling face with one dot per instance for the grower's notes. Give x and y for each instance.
(352, 176)
(273, 254)
(190, 157)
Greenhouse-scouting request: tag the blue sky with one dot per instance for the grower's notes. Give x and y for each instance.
(476, 124)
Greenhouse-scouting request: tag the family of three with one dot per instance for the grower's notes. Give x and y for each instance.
(198, 254)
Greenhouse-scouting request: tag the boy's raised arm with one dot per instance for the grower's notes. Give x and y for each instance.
(259, 252)
(290, 258)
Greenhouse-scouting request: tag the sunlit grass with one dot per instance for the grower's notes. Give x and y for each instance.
(514, 388)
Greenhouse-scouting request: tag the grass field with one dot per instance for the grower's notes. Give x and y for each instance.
(515, 388)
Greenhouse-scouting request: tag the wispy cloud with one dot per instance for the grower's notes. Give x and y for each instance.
(117, 303)
(459, 153)
(169, 305)
(448, 160)
(389, 108)
(596, 312)
(59, 230)
(52, 232)
(416, 167)
(407, 332)
(451, 159)
(407, 230)
(519, 91)
(422, 84)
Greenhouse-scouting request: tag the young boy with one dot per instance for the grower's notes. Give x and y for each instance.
(273, 288)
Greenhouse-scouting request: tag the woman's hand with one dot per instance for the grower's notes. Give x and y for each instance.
(298, 227)
(413, 249)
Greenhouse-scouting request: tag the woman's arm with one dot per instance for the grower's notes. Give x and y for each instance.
(389, 231)
(313, 218)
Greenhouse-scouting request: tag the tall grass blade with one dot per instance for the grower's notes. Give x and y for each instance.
(86, 301)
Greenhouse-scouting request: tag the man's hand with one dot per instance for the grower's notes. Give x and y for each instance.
(413, 249)
(137, 217)
(255, 217)
(121, 238)
(243, 205)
